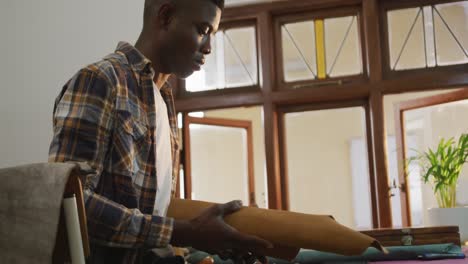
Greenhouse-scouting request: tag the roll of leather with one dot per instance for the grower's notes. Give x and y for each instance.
(288, 231)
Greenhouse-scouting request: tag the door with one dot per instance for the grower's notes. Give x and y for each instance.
(420, 123)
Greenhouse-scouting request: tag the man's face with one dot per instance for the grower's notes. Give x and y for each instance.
(188, 38)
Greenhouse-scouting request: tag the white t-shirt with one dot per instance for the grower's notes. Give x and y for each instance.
(163, 156)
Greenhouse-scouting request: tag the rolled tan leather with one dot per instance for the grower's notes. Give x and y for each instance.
(288, 231)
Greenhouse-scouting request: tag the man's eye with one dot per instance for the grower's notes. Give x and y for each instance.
(203, 30)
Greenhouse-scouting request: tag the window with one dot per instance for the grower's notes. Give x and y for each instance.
(423, 127)
(232, 62)
(428, 36)
(327, 165)
(226, 148)
(328, 142)
(321, 48)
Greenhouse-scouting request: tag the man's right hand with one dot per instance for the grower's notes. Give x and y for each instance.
(208, 232)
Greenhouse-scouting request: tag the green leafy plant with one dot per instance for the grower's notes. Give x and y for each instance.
(442, 167)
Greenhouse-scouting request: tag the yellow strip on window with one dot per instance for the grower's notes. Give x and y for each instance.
(320, 48)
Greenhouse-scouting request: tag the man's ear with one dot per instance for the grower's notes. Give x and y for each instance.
(166, 15)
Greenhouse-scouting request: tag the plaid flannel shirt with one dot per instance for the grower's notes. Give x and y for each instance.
(105, 116)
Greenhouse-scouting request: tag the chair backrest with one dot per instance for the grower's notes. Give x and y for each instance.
(61, 250)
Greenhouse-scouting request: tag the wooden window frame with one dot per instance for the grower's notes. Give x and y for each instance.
(225, 25)
(390, 5)
(312, 15)
(243, 124)
(372, 88)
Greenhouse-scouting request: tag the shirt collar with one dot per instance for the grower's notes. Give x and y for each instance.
(138, 62)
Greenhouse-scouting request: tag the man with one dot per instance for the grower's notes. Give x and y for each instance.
(118, 116)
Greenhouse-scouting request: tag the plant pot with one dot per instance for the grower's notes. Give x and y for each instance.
(446, 195)
(457, 216)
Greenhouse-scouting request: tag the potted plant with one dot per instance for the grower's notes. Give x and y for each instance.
(441, 167)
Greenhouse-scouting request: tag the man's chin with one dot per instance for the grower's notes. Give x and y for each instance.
(184, 75)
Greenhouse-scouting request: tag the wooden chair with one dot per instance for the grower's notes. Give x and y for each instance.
(61, 252)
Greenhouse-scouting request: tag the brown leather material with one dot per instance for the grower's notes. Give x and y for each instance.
(288, 231)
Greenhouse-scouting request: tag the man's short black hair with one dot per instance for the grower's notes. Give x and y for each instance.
(151, 5)
(219, 3)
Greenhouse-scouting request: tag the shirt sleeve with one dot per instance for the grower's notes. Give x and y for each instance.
(83, 121)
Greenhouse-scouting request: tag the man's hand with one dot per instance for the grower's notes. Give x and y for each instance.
(208, 232)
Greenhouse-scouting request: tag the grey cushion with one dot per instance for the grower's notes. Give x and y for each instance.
(30, 201)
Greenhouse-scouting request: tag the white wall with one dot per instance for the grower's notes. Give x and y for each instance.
(43, 44)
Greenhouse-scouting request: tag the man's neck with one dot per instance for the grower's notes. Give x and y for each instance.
(160, 79)
(145, 47)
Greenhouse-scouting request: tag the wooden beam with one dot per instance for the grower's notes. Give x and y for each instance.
(283, 158)
(448, 97)
(251, 165)
(275, 196)
(330, 93)
(401, 4)
(420, 80)
(371, 21)
(198, 103)
(379, 142)
(282, 7)
(437, 79)
(324, 106)
(267, 82)
(401, 157)
(187, 159)
(426, 79)
(214, 121)
(372, 174)
(376, 110)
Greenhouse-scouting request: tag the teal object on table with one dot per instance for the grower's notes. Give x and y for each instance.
(371, 254)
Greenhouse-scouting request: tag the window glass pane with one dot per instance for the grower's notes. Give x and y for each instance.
(299, 51)
(318, 49)
(255, 116)
(219, 163)
(406, 39)
(232, 62)
(342, 46)
(181, 183)
(451, 25)
(240, 57)
(213, 70)
(328, 165)
(428, 36)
